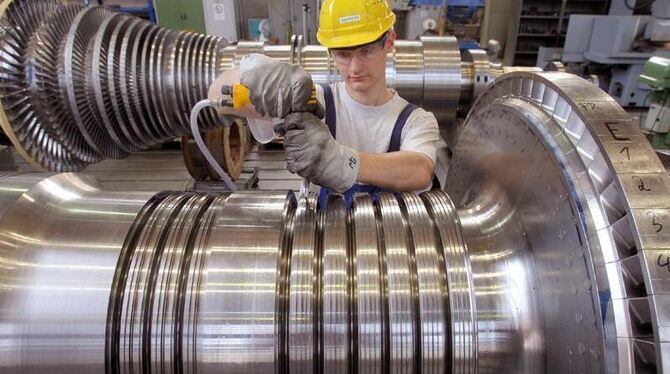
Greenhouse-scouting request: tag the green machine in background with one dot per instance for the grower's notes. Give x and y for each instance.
(657, 126)
(181, 15)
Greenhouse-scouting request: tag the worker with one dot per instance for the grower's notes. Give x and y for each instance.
(373, 140)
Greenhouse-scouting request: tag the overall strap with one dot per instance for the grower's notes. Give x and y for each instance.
(396, 135)
(331, 114)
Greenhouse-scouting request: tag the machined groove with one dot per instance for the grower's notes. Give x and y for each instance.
(335, 288)
(369, 297)
(402, 308)
(459, 293)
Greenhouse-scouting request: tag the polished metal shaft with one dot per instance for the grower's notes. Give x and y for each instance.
(547, 252)
(247, 282)
(83, 84)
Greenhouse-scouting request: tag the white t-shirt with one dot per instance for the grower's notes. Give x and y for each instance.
(369, 128)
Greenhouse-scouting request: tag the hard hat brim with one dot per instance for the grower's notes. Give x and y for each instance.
(351, 41)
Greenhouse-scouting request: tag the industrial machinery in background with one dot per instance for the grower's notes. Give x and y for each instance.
(615, 47)
(656, 75)
(461, 19)
(464, 21)
(423, 17)
(141, 8)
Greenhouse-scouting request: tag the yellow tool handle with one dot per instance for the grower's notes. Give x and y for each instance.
(312, 98)
(241, 96)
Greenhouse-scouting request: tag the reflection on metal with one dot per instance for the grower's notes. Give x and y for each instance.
(83, 84)
(553, 259)
(229, 283)
(565, 206)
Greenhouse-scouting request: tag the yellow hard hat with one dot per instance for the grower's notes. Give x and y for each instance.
(350, 23)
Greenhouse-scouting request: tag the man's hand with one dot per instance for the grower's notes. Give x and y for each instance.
(312, 153)
(276, 88)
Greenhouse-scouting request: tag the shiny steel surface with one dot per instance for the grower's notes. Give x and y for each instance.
(369, 266)
(302, 311)
(248, 282)
(482, 75)
(14, 184)
(107, 85)
(502, 238)
(442, 79)
(54, 308)
(408, 70)
(551, 258)
(73, 74)
(336, 287)
(564, 179)
(431, 286)
(401, 286)
(240, 310)
(460, 286)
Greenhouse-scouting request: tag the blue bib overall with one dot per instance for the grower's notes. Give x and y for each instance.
(394, 146)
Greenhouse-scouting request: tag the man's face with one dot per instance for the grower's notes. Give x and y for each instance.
(361, 68)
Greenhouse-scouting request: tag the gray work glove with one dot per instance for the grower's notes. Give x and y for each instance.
(312, 153)
(276, 88)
